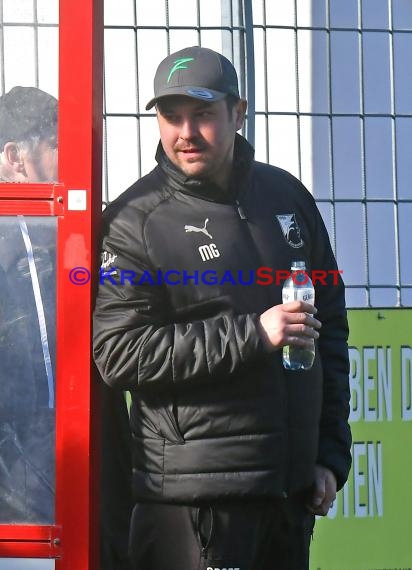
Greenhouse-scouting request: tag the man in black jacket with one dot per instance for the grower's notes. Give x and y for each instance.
(232, 454)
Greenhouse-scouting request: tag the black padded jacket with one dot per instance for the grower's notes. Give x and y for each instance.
(214, 414)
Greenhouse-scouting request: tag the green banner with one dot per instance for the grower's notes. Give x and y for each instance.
(369, 526)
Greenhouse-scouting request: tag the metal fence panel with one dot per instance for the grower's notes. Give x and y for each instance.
(328, 84)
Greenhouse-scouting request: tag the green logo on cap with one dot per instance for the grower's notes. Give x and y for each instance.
(179, 64)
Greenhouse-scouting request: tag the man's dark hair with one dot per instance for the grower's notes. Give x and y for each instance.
(27, 113)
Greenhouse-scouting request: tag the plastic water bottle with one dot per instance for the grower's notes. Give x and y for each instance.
(298, 287)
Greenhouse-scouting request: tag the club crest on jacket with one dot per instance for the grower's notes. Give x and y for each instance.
(290, 229)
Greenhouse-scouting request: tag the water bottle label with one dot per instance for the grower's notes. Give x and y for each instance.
(307, 295)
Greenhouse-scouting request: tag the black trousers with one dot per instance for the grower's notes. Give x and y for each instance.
(116, 502)
(247, 535)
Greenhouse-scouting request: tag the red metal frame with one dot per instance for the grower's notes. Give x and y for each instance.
(31, 541)
(32, 207)
(73, 539)
(21, 191)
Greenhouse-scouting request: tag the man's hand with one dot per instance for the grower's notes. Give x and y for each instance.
(290, 323)
(324, 491)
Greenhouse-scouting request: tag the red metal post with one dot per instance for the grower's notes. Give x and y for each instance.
(80, 136)
(76, 201)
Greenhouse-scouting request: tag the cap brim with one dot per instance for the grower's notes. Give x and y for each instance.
(200, 93)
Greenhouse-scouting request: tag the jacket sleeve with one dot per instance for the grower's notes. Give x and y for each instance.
(335, 436)
(136, 339)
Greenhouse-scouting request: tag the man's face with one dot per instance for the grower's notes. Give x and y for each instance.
(198, 137)
(41, 164)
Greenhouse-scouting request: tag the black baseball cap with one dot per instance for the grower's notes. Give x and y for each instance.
(26, 112)
(196, 72)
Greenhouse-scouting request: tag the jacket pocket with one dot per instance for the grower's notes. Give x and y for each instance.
(169, 426)
(167, 417)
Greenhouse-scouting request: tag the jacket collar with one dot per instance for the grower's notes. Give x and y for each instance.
(243, 158)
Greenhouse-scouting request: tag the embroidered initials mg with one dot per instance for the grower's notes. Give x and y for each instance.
(208, 252)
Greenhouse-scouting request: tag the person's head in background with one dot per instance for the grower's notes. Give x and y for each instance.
(28, 136)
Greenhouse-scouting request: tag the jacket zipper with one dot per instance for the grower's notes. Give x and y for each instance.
(242, 216)
(240, 211)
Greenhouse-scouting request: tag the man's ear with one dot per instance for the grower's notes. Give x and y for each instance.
(13, 157)
(240, 111)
